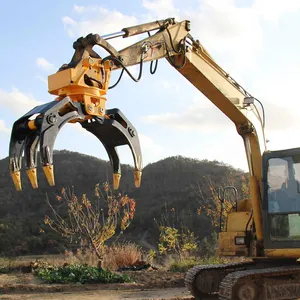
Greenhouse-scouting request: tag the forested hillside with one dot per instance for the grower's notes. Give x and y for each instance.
(170, 184)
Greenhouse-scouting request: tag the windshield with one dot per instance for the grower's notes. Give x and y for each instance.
(283, 185)
(284, 197)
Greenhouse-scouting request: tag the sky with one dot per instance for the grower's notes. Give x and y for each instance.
(256, 42)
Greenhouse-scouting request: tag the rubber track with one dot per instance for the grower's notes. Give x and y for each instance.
(227, 284)
(193, 272)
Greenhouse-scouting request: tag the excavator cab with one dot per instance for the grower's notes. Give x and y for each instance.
(281, 202)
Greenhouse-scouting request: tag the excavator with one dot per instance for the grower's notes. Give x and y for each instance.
(264, 228)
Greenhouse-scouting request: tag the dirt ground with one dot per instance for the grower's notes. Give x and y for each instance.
(154, 284)
(170, 294)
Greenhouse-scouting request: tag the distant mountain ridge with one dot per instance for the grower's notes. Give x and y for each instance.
(166, 183)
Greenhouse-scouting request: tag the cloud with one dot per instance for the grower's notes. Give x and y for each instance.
(272, 10)
(161, 8)
(151, 151)
(226, 29)
(201, 115)
(79, 129)
(42, 79)
(3, 128)
(17, 102)
(147, 144)
(43, 64)
(4, 139)
(97, 19)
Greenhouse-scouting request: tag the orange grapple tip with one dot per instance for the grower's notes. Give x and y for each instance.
(16, 177)
(48, 170)
(137, 178)
(31, 173)
(116, 180)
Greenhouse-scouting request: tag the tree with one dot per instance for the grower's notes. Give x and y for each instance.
(173, 240)
(174, 237)
(211, 204)
(93, 222)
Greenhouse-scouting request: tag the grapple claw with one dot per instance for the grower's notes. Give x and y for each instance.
(116, 180)
(30, 154)
(16, 148)
(137, 178)
(28, 134)
(16, 177)
(114, 131)
(31, 173)
(49, 173)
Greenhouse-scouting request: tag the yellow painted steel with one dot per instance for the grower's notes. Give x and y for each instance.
(137, 178)
(72, 82)
(16, 177)
(237, 221)
(49, 173)
(116, 180)
(283, 253)
(244, 205)
(31, 173)
(31, 125)
(227, 245)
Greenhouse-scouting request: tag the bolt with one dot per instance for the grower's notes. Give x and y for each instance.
(131, 131)
(89, 107)
(51, 118)
(145, 48)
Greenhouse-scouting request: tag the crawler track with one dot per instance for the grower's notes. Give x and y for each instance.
(262, 284)
(203, 281)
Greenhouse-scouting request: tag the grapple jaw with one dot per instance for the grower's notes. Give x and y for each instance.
(30, 135)
(115, 130)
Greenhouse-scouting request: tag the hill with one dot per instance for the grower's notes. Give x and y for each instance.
(168, 183)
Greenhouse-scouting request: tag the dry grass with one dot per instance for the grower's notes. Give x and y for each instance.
(115, 256)
(82, 257)
(120, 255)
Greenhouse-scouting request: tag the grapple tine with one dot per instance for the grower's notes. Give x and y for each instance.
(131, 135)
(28, 134)
(16, 148)
(115, 163)
(19, 133)
(53, 120)
(30, 154)
(115, 131)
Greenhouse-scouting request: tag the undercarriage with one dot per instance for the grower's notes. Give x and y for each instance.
(260, 279)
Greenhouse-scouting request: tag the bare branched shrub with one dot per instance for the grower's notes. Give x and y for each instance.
(92, 222)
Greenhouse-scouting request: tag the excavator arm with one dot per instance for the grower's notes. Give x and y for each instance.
(82, 84)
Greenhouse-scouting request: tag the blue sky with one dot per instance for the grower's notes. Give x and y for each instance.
(254, 41)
